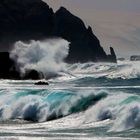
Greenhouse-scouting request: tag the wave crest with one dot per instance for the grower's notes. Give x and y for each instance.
(45, 105)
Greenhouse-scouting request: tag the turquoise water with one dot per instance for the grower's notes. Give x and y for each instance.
(97, 101)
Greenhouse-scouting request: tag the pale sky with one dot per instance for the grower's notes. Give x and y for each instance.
(115, 22)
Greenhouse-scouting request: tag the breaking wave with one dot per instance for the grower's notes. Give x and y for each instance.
(121, 70)
(43, 105)
(122, 109)
(105, 74)
(46, 57)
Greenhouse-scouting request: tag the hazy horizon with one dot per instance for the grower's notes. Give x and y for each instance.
(115, 23)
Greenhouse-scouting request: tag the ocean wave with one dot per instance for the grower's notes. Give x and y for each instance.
(101, 74)
(123, 70)
(104, 81)
(122, 109)
(42, 105)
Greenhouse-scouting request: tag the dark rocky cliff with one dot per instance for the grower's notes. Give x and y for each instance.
(84, 44)
(7, 67)
(24, 20)
(33, 19)
(112, 56)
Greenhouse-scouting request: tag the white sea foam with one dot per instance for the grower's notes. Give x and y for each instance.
(122, 109)
(47, 57)
(123, 70)
(126, 70)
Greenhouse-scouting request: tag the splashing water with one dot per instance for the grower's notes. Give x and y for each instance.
(46, 57)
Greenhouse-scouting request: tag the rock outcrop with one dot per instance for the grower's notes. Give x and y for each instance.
(84, 44)
(7, 67)
(24, 20)
(135, 58)
(33, 19)
(112, 57)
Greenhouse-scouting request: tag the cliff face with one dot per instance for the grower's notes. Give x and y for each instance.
(33, 19)
(7, 69)
(84, 44)
(24, 20)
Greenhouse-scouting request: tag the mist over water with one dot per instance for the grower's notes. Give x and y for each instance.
(46, 57)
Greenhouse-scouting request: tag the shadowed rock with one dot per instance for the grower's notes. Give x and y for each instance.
(84, 44)
(112, 57)
(24, 20)
(41, 83)
(7, 67)
(135, 58)
(32, 74)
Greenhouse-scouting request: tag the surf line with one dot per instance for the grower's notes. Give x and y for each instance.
(91, 88)
(69, 73)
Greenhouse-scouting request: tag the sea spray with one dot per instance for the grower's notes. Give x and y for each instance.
(46, 57)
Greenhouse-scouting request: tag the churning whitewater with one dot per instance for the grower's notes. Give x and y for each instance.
(84, 101)
(46, 57)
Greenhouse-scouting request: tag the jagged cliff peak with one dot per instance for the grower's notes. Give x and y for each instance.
(62, 9)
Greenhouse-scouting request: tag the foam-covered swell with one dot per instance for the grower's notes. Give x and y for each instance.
(46, 56)
(122, 109)
(90, 74)
(44, 105)
(123, 70)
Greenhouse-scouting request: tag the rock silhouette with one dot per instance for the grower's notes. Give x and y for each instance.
(33, 19)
